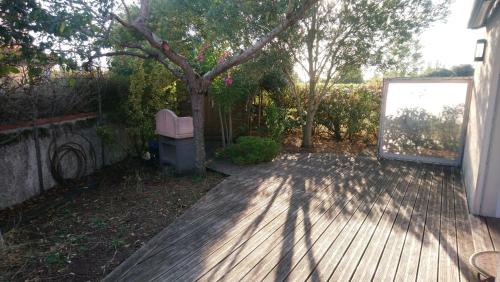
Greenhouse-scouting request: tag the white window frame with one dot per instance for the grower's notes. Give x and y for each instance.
(424, 159)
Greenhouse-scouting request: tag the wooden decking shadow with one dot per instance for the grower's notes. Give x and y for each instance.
(320, 217)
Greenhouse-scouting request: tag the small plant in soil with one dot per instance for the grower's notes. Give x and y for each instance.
(116, 243)
(55, 259)
(88, 236)
(98, 223)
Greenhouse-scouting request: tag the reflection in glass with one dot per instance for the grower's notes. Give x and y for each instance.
(424, 119)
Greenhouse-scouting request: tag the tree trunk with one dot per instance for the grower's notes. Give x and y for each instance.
(223, 132)
(307, 130)
(336, 130)
(196, 93)
(260, 108)
(230, 127)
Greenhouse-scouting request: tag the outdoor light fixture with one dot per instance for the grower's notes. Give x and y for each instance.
(480, 50)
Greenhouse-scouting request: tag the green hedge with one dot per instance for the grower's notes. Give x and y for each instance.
(252, 150)
(351, 111)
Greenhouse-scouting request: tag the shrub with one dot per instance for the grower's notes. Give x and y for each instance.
(277, 121)
(149, 91)
(252, 150)
(351, 111)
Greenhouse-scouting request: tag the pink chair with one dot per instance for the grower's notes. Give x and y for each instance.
(170, 125)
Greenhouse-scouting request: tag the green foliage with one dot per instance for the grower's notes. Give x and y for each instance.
(56, 259)
(252, 150)
(463, 70)
(151, 88)
(228, 96)
(340, 35)
(98, 223)
(415, 130)
(32, 33)
(402, 59)
(207, 26)
(106, 134)
(459, 70)
(351, 111)
(116, 243)
(440, 72)
(277, 121)
(273, 81)
(350, 75)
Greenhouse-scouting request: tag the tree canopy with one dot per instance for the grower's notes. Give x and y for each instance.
(338, 36)
(51, 32)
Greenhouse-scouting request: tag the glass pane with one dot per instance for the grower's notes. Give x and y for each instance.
(424, 119)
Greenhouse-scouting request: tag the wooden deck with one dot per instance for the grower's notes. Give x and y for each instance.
(322, 217)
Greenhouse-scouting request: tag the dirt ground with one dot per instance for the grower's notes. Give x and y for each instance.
(82, 234)
(323, 143)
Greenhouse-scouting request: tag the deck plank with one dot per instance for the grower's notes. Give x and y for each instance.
(347, 266)
(429, 254)
(322, 217)
(465, 244)
(494, 228)
(408, 262)
(329, 248)
(389, 261)
(215, 224)
(448, 256)
(259, 264)
(393, 218)
(286, 240)
(220, 261)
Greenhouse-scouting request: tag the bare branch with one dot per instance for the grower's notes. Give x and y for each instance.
(156, 42)
(289, 8)
(126, 10)
(120, 20)
(157, 56)
(144, 12)
(121, 53)
(144, 56)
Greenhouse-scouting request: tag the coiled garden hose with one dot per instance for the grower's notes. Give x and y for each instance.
(85, 162)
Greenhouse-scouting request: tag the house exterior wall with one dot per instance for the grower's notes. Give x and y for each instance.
(481, 163)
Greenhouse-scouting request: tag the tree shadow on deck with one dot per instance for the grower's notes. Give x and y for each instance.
(298, 217)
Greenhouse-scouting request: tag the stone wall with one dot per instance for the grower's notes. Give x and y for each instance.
(19, 179)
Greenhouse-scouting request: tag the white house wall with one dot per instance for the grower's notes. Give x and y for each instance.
(481, 164)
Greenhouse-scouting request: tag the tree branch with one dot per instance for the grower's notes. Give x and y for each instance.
(144, 56)
(144, 11)
(244, 56)
(126, 10)
(155, 41)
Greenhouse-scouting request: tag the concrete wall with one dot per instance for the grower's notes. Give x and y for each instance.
(18, 162)
(481, 164)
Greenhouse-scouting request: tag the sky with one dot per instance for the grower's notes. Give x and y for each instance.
(432, 97)
(451, 43)
(446, 43)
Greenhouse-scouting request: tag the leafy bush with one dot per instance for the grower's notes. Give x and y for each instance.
(151, 88)
(252, 150)
(413, 130)
(277, 121)
(351, 111)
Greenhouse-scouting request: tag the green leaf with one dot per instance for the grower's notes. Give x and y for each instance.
(61, 27)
